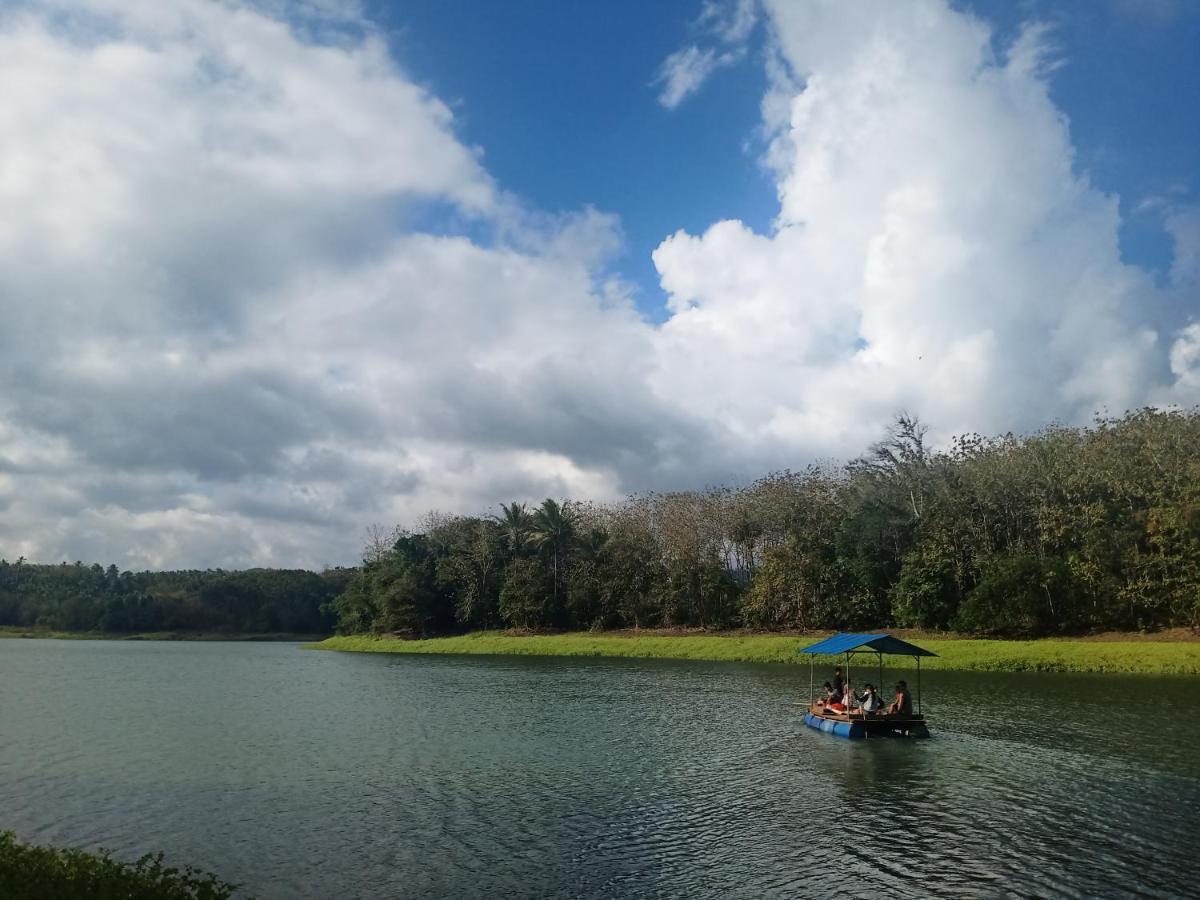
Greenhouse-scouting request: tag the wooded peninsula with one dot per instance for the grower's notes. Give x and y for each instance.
(1071, 530)
(77, 598)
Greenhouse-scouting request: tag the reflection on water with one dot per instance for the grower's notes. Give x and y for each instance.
(321, 774)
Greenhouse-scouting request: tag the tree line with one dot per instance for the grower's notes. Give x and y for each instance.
(93, 598)
(1069, 530)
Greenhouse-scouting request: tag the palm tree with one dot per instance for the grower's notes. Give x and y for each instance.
(590, 545)
(515, 523)
(553, 529)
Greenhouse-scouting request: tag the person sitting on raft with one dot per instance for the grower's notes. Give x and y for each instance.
(834, 691)
(871, 701)
(850, 700)
(833, 699)
(902, 705)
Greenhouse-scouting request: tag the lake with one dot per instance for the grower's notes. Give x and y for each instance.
(305, 773)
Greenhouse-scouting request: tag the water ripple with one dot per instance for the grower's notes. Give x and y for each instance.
(329, 775)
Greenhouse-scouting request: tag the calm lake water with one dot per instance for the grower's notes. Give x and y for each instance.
(301, 773)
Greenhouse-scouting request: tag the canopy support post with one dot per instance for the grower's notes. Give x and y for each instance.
(812, 697)
(918, 685)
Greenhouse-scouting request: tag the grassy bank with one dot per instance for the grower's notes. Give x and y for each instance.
(963, 654)
(7, 631)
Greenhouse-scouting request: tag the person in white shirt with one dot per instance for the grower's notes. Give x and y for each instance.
(849, 698)
(871, 701)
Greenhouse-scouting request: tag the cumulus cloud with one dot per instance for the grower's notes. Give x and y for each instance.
(224, 343)
(935, 248)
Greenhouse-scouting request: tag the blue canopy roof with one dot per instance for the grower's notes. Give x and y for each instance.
(876, 643)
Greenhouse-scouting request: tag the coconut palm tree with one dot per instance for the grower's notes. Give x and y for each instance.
(516, 524)
(553, 531)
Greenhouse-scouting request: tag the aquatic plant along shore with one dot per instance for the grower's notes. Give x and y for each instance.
(47, 873)
(1175, 657)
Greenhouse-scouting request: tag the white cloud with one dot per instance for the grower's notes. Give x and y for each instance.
(222, 345)
(1185, 358)
(730, 20)
(726, 25)
(1183, 224)
(683, 72)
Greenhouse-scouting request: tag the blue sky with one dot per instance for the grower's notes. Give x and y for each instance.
(560, 96)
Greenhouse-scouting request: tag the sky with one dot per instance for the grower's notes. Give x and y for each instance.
(272, 272)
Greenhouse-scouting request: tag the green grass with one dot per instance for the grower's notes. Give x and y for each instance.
(963, 654)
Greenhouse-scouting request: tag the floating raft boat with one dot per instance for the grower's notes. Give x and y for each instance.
(858, 724)
(870, 726)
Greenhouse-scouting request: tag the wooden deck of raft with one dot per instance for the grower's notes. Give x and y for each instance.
(882, 719)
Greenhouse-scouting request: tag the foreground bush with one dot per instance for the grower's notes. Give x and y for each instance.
(45, 873)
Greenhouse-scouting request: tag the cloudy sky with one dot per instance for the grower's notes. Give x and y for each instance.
(271, 272)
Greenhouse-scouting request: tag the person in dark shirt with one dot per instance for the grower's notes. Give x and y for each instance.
(902, 705)
(839, 684)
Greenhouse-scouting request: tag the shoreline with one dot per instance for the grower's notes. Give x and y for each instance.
(1137, 655)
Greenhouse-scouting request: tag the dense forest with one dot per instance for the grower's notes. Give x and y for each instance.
(92, 598)
(1068, 530)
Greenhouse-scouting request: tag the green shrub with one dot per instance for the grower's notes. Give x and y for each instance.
(46, 873)
(925, 595)
(527, 598)
(1021, 596)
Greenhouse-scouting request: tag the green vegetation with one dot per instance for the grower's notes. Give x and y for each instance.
(1047, 655)
(8, 631)
(44, 873)
(1068, 531)
(40, 600)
